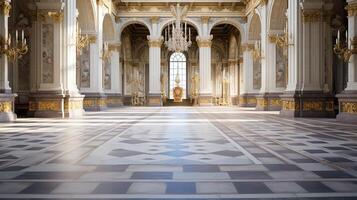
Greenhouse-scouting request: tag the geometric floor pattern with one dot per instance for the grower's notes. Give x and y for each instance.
(178, 153)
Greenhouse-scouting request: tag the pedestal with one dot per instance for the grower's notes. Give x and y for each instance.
(7, 107)
(55, 105)
(114, 100)
(347, 101)
(248, 100)
(269, 102)
(205, 100)
(95, 102)
(308, 104)
(154, 100)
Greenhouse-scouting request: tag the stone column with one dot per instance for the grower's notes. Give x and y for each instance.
(114, 96)
(55, 93)
(262, 97)
(6, 97)
(305, 82)
(204, 44)
(247, 97)
(154, 98)
(95, 97)
(233, 80)
(348, 98)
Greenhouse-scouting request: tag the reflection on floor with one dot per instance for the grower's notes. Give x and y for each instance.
(178, 153)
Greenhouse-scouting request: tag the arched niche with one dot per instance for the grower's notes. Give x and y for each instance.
(128, 22)
(189, 21)
(255, 28)
(233, 22)
(86, 18)
(277, 13)
(108, 28)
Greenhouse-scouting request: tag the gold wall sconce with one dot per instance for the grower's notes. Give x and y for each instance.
(344, 50)
(13, 50)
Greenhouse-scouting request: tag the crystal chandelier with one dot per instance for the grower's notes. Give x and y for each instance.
(176, 38)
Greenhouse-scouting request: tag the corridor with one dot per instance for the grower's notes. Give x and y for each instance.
(178, 153)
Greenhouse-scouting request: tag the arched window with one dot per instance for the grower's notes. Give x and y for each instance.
(178, 66)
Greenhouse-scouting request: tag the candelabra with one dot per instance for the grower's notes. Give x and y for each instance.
(16, 51)
(344, 50)
(106, 52)
(257, 51)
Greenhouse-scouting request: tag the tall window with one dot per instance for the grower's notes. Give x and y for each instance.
(178, 66)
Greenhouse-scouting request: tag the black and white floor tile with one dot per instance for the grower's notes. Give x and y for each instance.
(178, 153)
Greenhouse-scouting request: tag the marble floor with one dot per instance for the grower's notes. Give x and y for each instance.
(178, 153)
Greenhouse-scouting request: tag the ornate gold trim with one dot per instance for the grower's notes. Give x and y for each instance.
(275, 102)
(115, 47)
(155, 42)
(92, 39)
(312, 106)
(5, 8)
(205, 19)
(310, 16)
(290, 105)
(5, 106)
(56, 16)
(73, 105)
(204, 42)
(262, 103)
(352, 9)
(154, 19)
(348, 107)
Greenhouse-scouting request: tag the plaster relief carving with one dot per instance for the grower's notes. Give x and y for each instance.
(257, 75)
(47, 53)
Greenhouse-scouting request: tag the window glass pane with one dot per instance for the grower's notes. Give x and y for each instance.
(178, 66)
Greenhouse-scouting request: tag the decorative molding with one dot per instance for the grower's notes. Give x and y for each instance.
(205, 19)
(348, 107)
(247, 47)
(204, 42)
(262, 102)
(290, 105)
(154, 19)
(313, 106)
(92, 39)
(73, 105)
(253, 4)
(5, 8)
(275, 102)
(47, 105)
(87, 103)
(56, 16)
(115, 46)
(5, 106)
(352, 9)
(155, 42)
(310, 16)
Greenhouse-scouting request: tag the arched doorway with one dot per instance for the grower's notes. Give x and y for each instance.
(225, 55)
(135, 63)
(178, 74)
(187, 71)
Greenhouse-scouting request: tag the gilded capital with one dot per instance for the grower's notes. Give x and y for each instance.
(352, 9)
(310, 16)
(154, 19)
(155, 42)
(205, 19)
(5, 8)
(204, 41)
